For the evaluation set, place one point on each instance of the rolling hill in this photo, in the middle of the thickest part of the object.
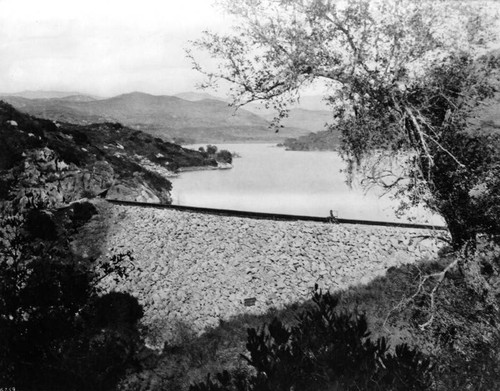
(310, 120)
(44, 94)
(41, 160)
(310, 114)
(169, 117)
(196, 96)
(186, 118)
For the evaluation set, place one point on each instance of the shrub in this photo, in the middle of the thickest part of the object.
(56, 333)
(224, 156)
(327, 349)
(116, 310)
(39, 223)
(5, 185)
(82, 212)
(80, 138)
(211, 149)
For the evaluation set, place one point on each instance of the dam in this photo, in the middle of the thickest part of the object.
(197, 269)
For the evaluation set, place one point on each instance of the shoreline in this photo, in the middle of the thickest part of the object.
(220, 166)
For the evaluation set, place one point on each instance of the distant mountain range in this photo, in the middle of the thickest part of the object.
(47, 94)
(196, 96)
(194, 117)
(188, 117)
(310, 114)
(307, 102)
(314, 121)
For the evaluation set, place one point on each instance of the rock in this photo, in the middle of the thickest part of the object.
(132, 192)
(199, 268)
(394, 242)
(280, 284)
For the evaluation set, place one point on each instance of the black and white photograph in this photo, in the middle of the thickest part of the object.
(250, 195)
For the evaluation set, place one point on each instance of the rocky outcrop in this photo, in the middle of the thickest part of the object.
(198, 268)
(138, 192)
(48, 180)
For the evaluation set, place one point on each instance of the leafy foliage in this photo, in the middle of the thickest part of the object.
(403, 79)
(81, 212)
(57, 329)
(40, 224)
(327, 348)
(212, 152)
(211, 149)
(224, 156)
(430, 121)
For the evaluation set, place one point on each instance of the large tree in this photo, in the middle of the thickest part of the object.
(404, 80)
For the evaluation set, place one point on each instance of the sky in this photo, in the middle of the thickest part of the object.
(102, 47)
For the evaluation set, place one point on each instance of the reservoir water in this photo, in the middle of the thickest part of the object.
(270, 179)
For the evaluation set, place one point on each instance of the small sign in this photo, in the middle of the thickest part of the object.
(249, 302)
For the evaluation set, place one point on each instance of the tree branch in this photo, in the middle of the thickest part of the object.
(420, 289)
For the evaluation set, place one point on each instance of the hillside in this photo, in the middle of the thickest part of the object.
(41, 158)
(188, 117)
(306, 102)
(78, 98)
(310, 114)
(196, 96)
(42, 94)
(327, 140)
(310, 120)
(206, 120)
(57, 109)
(486, 119)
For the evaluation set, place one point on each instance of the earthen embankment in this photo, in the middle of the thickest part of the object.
(198, 268)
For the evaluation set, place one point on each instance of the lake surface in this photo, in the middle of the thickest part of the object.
(270, 179)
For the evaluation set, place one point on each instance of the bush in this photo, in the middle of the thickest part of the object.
(327, 349)
(116, 310)
(82, 212)
(39, 223)
(211, 149)
(224, 156)
(56, 332)
(80, 138)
